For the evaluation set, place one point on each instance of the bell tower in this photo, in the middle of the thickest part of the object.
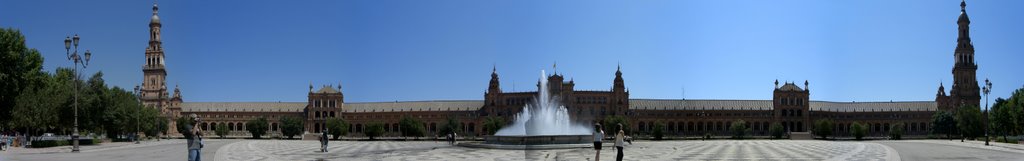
(154, 80)
(965, 90)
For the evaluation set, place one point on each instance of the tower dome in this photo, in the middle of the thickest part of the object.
(155, 19)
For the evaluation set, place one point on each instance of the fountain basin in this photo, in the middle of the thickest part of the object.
(539, 139)
(537, 142)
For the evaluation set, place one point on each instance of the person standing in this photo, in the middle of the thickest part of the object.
(3, 141)
(323, 141)
(194, 139)
(598, 135)
(619, 137)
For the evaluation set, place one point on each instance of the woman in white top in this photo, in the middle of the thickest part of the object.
(619, 137)
(598, 135)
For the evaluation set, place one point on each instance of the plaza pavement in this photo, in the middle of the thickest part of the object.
(643, 150)
(297, 150)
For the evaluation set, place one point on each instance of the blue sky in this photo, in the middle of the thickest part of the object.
(405, 50)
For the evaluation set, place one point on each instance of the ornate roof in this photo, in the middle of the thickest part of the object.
(790, 87)
(458, 105)
(327, 89)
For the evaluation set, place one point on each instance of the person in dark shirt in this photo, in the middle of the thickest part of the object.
(194, 139)
(323, 141)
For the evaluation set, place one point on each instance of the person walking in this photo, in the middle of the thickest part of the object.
(448, 138)
(3, 142)
(598, 135)
(619, 137)
(194, 139)
(323, 141)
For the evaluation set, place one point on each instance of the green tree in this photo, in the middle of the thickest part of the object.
(858, 130)
(120, 117)
(896, 131)
(968, 119)
(182, 125)
(150, 120)
(944, 123)
(493, 124)
(37, 108)
(221, 130)
(257, 127)
(95, 99)
(450, 125)
(337, 127)
(823, 127)
(776, 130)
(20, 68)
(739, 129)
(658, 132)
(611, 123)
(162, 124)
(1001, 119)
(1016, 103)
(411, 127)
(374, 130)
(290, 126)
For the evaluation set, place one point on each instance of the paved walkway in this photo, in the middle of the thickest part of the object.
(953, 150)
(273, 150)
(669, 150)
(164, 150)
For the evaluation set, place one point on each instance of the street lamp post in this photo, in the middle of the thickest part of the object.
(138, 114)
(73, 56)
(986, 90)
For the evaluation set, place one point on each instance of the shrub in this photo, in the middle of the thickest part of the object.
(491, 125)
(896, 131)
(374, 130)
(776, 130)
(52, 143)
(659, 130)
(450, 125)
(739, 129)
(823, 128)
(859, 130)
(337, 127)
(411, 127)
(611, 124)
(257, 127)
(291, 126)
(221, 130)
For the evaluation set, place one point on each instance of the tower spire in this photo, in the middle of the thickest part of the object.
(963, 5)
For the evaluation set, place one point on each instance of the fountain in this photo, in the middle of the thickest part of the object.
(543, 124)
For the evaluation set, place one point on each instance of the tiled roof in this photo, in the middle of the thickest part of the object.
(243, 106)
(873, 106)
(460, 105)
(678, 104)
